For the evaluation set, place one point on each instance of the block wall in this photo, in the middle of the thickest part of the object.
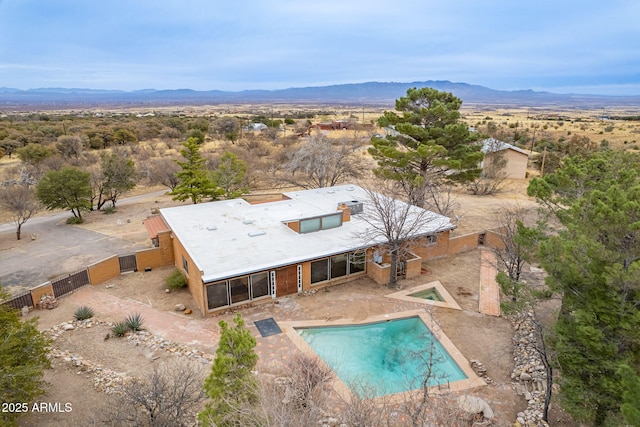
(104, 270)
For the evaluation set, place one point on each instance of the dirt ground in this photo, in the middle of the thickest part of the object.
(485, 338)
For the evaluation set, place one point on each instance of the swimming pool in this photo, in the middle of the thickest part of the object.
(386, 357)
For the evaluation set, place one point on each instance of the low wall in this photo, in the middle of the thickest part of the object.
(464, 243)
(152, 258)
(37, 293)
(104, 270)
(494, 240)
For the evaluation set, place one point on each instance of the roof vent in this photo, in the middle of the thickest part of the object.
(355, 206)
(247, 221)
(256, 233)
(212, 228)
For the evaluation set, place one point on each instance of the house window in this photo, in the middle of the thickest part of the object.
(325, 222)
(260, 285)
(432, 239)
(339, 265)
(309, 225)
(185, 265)
(356, 262)
(217, 295)
(319, 271)
(331, 221)
(239, 288)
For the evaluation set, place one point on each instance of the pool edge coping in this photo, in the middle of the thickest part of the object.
(449, 301)
(472, 380)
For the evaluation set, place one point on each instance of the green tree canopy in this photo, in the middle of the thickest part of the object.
(23, 359)
(230, 175)
(195, 183)
(68, 188)
(33, 153)
(231, 383)
(118, 175)
(593, 261)
(430, 144)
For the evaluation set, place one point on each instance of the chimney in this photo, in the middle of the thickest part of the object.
(346, 212)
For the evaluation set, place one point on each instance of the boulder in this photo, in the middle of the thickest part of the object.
(475, 405)
(179, 307)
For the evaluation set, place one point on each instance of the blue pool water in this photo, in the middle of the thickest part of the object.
(387, 357)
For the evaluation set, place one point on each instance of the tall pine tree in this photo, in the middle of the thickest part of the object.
(593, 260)
(231, 384)
(430, 145)
(195, 182)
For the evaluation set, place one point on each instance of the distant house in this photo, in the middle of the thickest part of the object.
(516, 158)
(334, 125)
(233, 252)
(256, 126)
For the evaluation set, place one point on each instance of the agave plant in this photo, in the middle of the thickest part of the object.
(120, 329)
(134, 321)
(83, 313)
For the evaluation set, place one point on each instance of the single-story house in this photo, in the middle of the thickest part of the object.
(516, 158)
(233, 252)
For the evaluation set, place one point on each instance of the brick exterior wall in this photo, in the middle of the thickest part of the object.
(194, 276)
(104, 270)
(436, 250)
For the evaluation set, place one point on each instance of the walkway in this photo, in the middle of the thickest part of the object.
(489, 289)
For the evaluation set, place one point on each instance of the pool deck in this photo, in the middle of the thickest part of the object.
(472, 381)
(489, 290)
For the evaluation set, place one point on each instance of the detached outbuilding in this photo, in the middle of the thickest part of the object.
(516, 158)
(234, 252)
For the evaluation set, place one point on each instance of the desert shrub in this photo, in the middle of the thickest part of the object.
(176, 280)
(134, 321)
(109, 210)
(120, 329)
(83, 313)
(74, 220)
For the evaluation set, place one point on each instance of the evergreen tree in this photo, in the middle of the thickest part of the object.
(231, 384)
(195, 183)
(430, 146)
(230, 175)
(68, 188)
(23, 359)
(593, 262)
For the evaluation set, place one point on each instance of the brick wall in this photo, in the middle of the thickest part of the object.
(104, 270)
(435, 250)
(194, 276)
(464, 243)
(38, 292)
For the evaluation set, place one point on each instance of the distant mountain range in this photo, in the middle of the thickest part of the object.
(372, 93)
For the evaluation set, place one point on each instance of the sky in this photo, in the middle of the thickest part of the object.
(561, 46)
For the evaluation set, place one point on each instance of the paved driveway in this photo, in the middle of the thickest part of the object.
(58, 249)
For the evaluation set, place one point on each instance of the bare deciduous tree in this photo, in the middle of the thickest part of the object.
(21, 203)
(320, 162)
(395, 225)
(169, 397)
(163, 171)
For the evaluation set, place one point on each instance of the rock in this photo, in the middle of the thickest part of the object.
(167, 291)
(179, 307)
(68, 327)
(525, 377)
(25, 311)
(188, 311)
(475, 405)
(528, 396)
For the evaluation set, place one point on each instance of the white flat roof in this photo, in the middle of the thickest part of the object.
(232, 237)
